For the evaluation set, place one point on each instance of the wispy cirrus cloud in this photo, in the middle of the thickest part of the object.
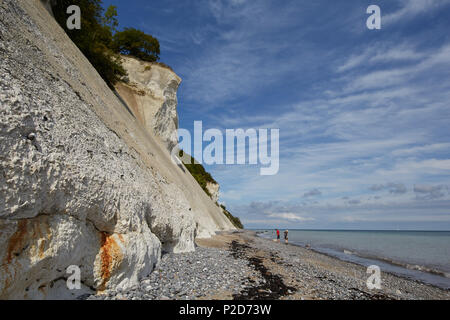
(393, 188)
(289, 216)
(427, 192)
(411, 8)
(380, 53)
(312, 193)
(352, 214)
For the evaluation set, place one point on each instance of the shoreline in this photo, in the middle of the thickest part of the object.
(240, 265)
(376, 259)
(394, 286)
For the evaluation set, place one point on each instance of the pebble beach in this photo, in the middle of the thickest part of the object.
(242, 266)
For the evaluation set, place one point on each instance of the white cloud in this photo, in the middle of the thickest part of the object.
(346, 214)
(290, 217)
(397, 76)
(312, 193)
(393, 188)
(412, 8)
(380, 53)
(427, 192)
(421, 150)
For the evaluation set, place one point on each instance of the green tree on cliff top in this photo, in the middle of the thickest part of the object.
(100, 41)
(136, 43)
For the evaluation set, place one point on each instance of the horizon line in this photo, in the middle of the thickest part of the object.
(401, 230)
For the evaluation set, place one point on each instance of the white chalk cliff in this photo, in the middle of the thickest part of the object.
(85, 178)
(151, 95)
(213, 189)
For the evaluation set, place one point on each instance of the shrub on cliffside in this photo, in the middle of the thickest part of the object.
(199, 173)
(234, 220)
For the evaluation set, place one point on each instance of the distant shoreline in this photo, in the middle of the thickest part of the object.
(356, 230)
(362, 260)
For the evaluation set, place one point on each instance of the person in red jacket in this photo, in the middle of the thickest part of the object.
(278, 235)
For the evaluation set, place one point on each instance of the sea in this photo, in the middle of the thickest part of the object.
(417, 255)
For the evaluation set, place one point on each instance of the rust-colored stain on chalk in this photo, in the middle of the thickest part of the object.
(43, 234)
(34, 234)
(16, 242)
(110, 257)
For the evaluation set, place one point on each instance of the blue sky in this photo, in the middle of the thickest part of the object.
(363, 114)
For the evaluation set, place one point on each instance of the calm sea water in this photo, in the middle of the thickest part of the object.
(420, 255)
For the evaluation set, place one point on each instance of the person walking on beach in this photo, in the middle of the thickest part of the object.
(286, 236)
(278, 235)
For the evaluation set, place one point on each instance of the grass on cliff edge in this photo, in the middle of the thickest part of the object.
(203, 177)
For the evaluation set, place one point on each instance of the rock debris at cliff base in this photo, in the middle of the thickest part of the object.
(245, 267)
(193, 275)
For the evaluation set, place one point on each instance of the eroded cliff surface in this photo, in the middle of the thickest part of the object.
(82, 181)
(213, 189)
(151, 95)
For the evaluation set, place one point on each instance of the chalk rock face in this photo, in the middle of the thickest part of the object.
(151, 95)
(213, 189)
(82, 182)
